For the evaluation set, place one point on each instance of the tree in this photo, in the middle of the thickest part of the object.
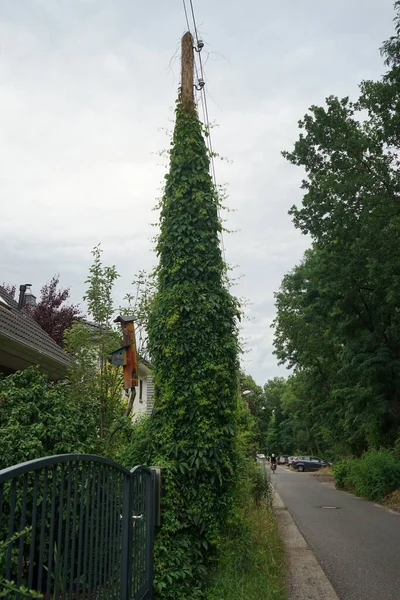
(92, 377)
(50, 312)
(10, 289)
(338, 322)
(139, 303)
(254, 398)
(194, 352)
(280, 431)
(252, 393)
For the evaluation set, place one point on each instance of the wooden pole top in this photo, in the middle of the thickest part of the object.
(187, 85)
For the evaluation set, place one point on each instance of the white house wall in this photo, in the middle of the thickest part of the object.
(143, 403)
(150, 394)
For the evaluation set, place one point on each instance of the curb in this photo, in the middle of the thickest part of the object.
(305, 578)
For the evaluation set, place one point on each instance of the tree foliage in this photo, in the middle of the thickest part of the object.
(194, 352)
(338, 322)
(139, 303)
(90, 343)
(51, 311)
(252, 393)
(373, 476)
(39, 418)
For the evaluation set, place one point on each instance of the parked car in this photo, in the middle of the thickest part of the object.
(290, 460)
(309, 463)
(260, 456)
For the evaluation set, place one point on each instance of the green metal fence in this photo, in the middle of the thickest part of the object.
(78, 527)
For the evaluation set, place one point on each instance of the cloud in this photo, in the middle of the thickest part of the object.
(85, 88)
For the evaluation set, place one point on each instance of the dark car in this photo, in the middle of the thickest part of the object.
(309, 463)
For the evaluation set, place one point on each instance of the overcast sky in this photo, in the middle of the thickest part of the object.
(87, 89)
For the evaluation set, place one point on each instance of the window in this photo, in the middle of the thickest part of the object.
(141, 390)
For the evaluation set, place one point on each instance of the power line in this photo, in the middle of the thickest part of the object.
(194, 22)
(186, 14)
(203, 99)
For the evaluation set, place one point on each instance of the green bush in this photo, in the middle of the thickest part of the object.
(135, 450)
(341, 472)
(396, 450)
(37, 418)
(8, 589)
(373, 476)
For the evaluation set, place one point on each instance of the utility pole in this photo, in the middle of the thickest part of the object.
(187, 92)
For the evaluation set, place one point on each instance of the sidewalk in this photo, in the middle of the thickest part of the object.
(305, 578)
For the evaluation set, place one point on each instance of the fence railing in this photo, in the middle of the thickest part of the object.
(78, 527)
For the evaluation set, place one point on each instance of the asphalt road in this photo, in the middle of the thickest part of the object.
(357, 544)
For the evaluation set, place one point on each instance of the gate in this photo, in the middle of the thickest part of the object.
(78, 527)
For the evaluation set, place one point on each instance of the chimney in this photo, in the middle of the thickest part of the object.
(26, 298)
(30, 299)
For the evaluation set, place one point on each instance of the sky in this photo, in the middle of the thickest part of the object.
(87, 93)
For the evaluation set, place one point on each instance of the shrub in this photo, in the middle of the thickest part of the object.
(396, 450)
(7, 588)
(135, 451)
(341, 472)
(37, 419)
(373, 476)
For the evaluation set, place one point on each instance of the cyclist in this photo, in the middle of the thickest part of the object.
(273, 462)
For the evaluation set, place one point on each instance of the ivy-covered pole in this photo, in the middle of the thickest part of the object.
(194, 353)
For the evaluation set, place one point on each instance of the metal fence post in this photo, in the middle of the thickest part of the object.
(156, 490)
(154, 520)
(126, 544)
(150, 506)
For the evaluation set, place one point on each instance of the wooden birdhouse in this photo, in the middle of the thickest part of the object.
(119, 357)
(126, 356)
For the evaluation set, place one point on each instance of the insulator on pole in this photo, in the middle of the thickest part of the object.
(200, 84)
(200, 46)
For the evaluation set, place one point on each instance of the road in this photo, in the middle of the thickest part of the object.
(357, 543)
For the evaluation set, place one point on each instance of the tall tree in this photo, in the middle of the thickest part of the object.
(338, 321)
(194, 352)
(252, 393)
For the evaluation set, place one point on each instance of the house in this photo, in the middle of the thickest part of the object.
(143, 404)
(144, 397)
(23, 343)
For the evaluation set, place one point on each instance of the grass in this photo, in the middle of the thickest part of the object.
(392, 501)
(251, 563)
(325, 471)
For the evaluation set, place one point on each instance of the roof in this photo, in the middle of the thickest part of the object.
(24, 343)
(125, 319)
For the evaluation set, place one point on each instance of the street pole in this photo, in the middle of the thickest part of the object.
(187, 83)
